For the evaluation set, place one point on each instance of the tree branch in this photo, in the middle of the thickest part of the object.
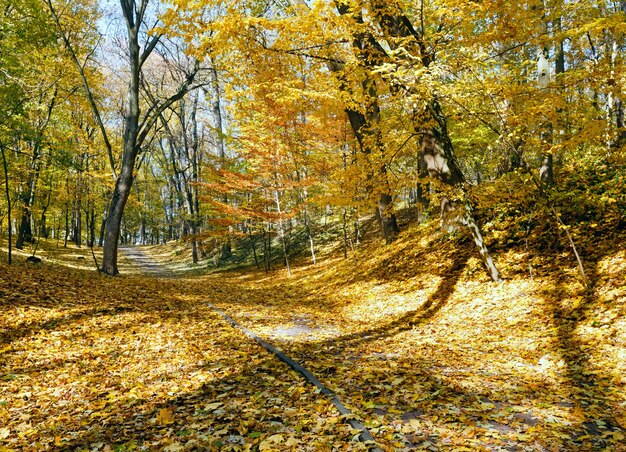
(148, 50)
(151, 119)
(90, 97)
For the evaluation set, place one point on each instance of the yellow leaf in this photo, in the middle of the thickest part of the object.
(268, 444)
(165, 416)
(291, 441)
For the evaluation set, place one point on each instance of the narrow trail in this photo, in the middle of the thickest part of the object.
(144, 263)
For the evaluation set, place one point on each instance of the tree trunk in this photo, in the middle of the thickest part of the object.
(136, 126)
(67, 224)
(437, 149)
(311, 244)
(8, 196)
(619, 122)
(191, 225)
(386, 218)
(25, 231)
(619, 103)
(267, 253)
(216, 99)
(281, 232)
(103, 226)
(546, 172)
(440, 161)
(44, 232)
(365, 124)
(114, 218)
(125, 178)
(78, 223)
(92, 225)
(252, 241)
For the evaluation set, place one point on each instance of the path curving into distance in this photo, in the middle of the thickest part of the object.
(144, 263)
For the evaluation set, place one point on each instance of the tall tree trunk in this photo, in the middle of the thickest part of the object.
(136, 128)
(25, 231)
(103, 225)
(546, 172)
(366, 125)
(311, 244)
(8, 196)
(125, 178)
(191, 224)
(216, 99)
(195, 177)
(67, 224)
(78, 217)
(92, 225)
(619, 100)
(437, 149)
(267, 247)
(386, 218)
(619, 122)
(441, 164)
(252, 241)
(170, 217)
(114, 218)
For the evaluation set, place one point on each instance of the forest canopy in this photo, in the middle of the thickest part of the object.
(209, 121)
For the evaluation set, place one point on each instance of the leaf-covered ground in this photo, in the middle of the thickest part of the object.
(93, 363)
(413, 338)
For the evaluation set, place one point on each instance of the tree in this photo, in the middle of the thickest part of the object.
(139, 120)
(34, 79)
(5, 167)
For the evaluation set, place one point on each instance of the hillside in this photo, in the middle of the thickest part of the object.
(412, 336)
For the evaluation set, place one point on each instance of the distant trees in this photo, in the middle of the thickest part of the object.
(140, 113)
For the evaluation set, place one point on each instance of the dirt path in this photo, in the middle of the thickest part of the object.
(144, 262)
(295, 326)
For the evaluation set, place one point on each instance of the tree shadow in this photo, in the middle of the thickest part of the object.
(10, 335)
(590, 386)
(254, 402)
(435, 302)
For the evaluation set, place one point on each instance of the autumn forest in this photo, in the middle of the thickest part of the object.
(309, 225)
